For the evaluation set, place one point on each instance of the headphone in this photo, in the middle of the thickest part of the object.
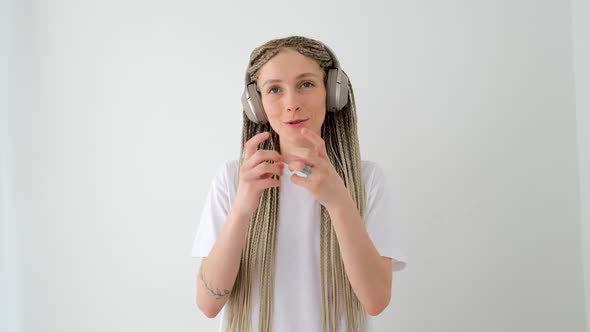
(336, 92)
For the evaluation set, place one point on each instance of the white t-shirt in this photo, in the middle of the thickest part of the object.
(297, 295)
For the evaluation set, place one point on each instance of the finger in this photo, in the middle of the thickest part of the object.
(252, 144)
(316, 140)
(280, 165)
(299, 180)
(296, 165)
(301, 171)
(304, 155)
(269, 183)
(261, 155)
(265, 170)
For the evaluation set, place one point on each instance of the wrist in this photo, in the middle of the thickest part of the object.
(239, 214)
(342, 207)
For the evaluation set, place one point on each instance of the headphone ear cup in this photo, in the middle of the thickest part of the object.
(336, 90)
(343, 96)
(252, 104)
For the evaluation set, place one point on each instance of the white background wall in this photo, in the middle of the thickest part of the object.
(14, 91)
(117, 113)
(581, 34)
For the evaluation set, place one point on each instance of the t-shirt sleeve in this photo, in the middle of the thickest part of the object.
(214, 213)
(383, 229)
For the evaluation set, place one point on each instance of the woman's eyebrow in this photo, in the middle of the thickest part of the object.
(298, 77)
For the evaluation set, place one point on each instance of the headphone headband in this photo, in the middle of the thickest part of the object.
(335, 63)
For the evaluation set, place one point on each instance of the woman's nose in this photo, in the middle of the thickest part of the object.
(292, 102)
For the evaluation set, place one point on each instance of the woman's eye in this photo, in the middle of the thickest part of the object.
(274, 88)
(309, 86)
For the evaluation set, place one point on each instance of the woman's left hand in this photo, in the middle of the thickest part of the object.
(324, 183)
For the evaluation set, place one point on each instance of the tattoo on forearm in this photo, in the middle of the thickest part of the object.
(219, 294)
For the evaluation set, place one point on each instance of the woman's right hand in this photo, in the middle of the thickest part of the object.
(256, 175)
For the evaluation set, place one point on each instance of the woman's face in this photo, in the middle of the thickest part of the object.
(292, 87)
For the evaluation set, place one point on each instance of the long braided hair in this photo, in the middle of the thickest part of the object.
(339, 131)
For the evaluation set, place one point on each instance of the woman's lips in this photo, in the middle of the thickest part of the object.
(296, 125)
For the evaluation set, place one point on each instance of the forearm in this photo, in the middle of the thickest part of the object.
(218, 271)
(367, 272)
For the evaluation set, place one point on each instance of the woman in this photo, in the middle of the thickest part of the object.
(289, 240)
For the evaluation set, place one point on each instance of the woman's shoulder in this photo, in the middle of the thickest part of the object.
(232, 165)
(228, 166)
(370, 167)
(373, 174)
(228, 171)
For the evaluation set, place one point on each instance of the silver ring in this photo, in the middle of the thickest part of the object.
(306, 170)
